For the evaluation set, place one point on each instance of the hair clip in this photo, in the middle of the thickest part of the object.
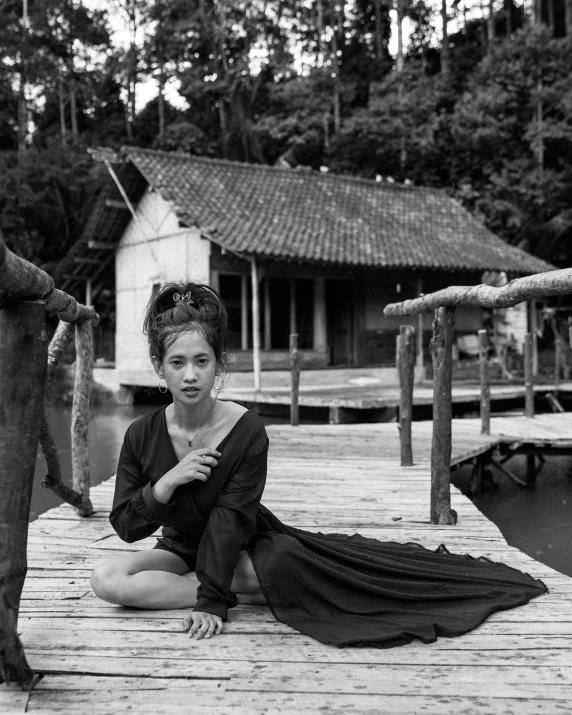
(186, 298)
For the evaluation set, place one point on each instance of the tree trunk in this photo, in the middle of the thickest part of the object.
(62, 107)
(336, 73)
(539, 124)
(80, 409)
(400, 61)
(445, 50)
(491, 29)
(73, 108)
(568, 11)
(379, 47)
(551, 17)
(508, 16)
(161, 105)
(23, 362)
(22, 115)
(321, 47)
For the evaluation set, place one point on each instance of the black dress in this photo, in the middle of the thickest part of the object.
(342, 590)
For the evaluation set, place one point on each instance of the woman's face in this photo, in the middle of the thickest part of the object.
(189, 367)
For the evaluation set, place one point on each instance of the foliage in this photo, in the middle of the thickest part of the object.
(288, 82)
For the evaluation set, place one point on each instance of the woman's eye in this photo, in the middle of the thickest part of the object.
(202, 361)
(176, 363)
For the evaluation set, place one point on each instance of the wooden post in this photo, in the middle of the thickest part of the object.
(23, 363)
(441, 349)
(295, 377)
(255, 323)
(267, 315)
(406, 373)
(528, 379)
(293, 319)
(420, 364)
(244, 312)
(557, 354)
(533, 328)
(80, 409)
(485, 383)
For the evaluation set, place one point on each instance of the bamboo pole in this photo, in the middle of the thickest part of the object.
(23, 361)
(21, 279)
(528, 379)
(255, 323)
(536, 286)
(485, 383)
(406, 373)
(441, 348)
(80, 410)
(295, 379)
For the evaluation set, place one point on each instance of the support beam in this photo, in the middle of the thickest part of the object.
(293, 320)
(88, 293)
(485, 382)
(23, 364)
(406, 372)
(319, 316)
(528, 379)
(267, 315)
(80, 410)
(244, 312)
(420, 364)
(255, 323)
(86, 260)
(442, 344)
(533, 329)
(295, 380)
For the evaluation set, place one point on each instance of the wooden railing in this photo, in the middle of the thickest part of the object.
(27, 365)
(444, 302)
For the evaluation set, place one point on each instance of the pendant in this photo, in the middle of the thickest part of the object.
(189, 441)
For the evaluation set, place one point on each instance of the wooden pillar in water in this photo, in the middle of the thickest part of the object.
(244, 313)
(528, 379)
(441, 349)
(295, 379)
(23, 364)
(485, 382)
(406, 373)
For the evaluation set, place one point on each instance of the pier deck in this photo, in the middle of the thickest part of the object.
(98, 658)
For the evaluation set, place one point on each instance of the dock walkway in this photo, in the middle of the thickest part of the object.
(98, 658)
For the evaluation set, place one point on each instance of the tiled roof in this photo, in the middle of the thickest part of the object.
(312, 216)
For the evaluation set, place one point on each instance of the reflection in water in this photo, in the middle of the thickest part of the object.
(537, 521)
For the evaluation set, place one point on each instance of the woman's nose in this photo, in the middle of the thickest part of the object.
(190, 375)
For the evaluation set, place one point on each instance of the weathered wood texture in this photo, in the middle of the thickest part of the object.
(80, 412)
(441, 347)
(100, 658)
(485, 382)
(528, 376)
(53, 479)
(22, 279)
(539, 285)
(406, 375)
(294, 380)
(23, 363)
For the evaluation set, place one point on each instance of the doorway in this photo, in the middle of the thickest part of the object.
(339, 316)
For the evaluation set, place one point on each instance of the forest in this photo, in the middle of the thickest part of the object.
(470, 96)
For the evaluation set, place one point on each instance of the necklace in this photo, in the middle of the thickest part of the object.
(201, 427)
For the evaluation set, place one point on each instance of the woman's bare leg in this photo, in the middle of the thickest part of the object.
(159, 579)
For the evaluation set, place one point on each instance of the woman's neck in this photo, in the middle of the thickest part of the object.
(190, 418)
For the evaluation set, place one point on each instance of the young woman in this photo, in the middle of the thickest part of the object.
(198, 468)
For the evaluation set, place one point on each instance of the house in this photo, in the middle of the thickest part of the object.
(325, 253)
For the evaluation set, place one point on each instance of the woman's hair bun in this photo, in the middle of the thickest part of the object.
(179, 307)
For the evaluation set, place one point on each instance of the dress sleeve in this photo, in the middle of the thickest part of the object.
(229, 530)
(136, 513)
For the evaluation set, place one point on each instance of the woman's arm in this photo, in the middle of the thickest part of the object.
(136, 513)
(229, 530)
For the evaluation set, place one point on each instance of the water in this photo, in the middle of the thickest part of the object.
(537, 521)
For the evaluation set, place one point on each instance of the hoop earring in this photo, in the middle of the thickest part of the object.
(160, 388)
(219, 387)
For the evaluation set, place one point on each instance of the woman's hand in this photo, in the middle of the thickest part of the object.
(196, 465)
(202, 625)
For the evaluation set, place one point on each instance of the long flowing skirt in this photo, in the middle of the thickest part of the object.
(356, 591)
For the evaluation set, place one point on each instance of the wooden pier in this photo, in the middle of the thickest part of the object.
(97, 658)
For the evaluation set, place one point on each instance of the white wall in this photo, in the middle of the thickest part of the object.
(155, 249)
